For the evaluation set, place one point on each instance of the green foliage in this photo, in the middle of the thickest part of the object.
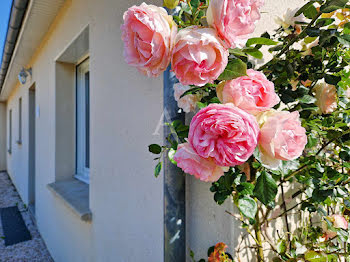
(155, 149)
(157, 169)
(333, 5)
(266, 188)
(260, 41)
(248, 207)
(319, 179)
(234, 69)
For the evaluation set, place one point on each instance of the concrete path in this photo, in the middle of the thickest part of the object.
(30, 251)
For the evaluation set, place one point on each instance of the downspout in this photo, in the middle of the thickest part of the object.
(18, 11)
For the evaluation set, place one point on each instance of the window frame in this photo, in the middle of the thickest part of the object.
(20, 106)
(82, 108)
(10, 133)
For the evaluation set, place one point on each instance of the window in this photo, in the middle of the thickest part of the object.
(10, 133)
(19, 141)
(83, 121)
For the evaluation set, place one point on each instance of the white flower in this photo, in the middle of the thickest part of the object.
(188, 103)
(288, 20)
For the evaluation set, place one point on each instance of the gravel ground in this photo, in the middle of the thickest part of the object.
(29, 251)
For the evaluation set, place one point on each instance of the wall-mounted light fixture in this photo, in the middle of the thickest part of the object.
(23, 75)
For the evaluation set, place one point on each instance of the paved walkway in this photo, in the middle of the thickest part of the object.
(29, 251)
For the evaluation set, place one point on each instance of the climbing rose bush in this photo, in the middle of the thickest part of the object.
(273, 136)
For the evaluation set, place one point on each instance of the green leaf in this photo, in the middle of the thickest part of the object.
(281, 246)
(310, 12)
(346, 28)
(171, 4)
(245, 188)
(313, 32)
(235, 68)
(306, 99)
(260, 41)
(276, 48)
(312, 141)
(344, 39)
(266, 188)
(324, 22)
(303, 8)
(191, 91)
(332, 79)
(155, 149)
(248, 207)
(309, 39)
(201, 105)
(313, 256)
(195, 4)
(344, 156)
(237, 52)
(157, 169)
(319, 168)
(254, 53)
(342, 234)
(333, 5)
(171, 155)
(332, 258)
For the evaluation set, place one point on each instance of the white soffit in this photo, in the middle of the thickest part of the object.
(37, 21)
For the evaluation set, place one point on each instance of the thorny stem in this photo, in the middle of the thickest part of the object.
(286, 215)
(257, 228)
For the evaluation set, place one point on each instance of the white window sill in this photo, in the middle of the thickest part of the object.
(75, 195)
(83, 178)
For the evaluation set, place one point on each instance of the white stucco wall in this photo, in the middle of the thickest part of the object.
(17, 160)
(125, 199)
(3, 135)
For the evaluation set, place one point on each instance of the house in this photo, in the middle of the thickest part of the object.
(75, 123)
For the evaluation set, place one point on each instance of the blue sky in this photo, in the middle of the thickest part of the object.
(5, 8)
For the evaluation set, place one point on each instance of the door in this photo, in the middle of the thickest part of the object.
(32, 150)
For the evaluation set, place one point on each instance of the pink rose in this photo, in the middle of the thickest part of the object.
(148, 33)
(326, 98)
(281, 137)
(188, 103)
(338, 221)
(234, 20)
(198, 56)
(252, 93)
(225, 133)
(204, 169)
(348, 92)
